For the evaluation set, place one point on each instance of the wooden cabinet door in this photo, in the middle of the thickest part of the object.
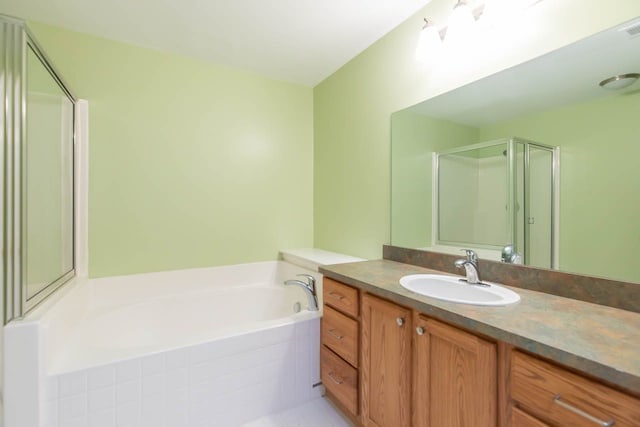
(455, 377)
(522, 419)
(386, 363)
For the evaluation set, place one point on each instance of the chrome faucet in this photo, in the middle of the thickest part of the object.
(309, 287)
(470, 265)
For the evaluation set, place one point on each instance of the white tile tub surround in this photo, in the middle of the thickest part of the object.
(167, 349)
(223, 383)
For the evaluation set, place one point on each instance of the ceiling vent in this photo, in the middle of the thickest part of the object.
(633, 29)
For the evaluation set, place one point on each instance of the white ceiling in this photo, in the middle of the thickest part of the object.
(300, 41)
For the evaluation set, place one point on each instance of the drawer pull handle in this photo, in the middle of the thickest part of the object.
(336, 336)
(399, 321)
(336, 296)
(334, 379)
(558, 399)
(420, 330)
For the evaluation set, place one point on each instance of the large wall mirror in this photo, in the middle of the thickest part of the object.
(555, 100)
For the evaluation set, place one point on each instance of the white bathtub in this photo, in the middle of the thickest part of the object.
(202, 347)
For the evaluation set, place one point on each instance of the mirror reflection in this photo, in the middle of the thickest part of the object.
(590, 225)
(495, 192)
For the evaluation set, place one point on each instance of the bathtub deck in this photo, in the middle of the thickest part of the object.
(316, 413)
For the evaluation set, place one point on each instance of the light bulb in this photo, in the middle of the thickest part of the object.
(429, 43)
(460, 24)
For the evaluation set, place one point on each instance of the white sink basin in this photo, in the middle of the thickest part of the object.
(451, 288)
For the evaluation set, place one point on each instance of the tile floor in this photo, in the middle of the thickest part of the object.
(316, 413)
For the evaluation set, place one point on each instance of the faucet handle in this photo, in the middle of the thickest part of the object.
(510, 255)
(508, 252)
(311, 281)
(471, 255)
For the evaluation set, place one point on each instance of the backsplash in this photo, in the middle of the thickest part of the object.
(612, 293)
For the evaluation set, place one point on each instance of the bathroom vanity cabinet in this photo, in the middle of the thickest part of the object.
(402, 374)
(384, 365)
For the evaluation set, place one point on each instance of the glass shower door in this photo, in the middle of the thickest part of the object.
(48, 172)
(37, 135)
(539, 212)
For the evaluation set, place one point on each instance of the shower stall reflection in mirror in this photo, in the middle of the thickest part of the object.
(38, 176)
(495, 193)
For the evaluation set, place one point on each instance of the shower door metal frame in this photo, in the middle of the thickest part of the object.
(13, 92)
(555, 201)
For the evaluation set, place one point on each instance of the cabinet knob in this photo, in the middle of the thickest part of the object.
(420, 330)
(336, 380)
(400, 321)
(336, 295)
(337, 336)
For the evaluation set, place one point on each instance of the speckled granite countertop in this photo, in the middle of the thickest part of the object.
(601, 341)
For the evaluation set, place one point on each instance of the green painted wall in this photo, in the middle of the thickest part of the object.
(191, 164)
(352, 109)
(599, 202)
(411, 213)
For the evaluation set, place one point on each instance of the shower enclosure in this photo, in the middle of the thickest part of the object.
(496, 193)
(38, 140)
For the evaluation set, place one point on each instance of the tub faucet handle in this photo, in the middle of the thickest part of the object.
(309, 288)
(311, 281)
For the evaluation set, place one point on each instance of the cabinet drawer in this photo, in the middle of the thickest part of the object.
(340, 379)
(522, 419)
(340, 334)
(340, 296)
(563, 398)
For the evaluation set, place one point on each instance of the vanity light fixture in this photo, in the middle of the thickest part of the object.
(429, 43)
(620, 81)
(462, 21)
